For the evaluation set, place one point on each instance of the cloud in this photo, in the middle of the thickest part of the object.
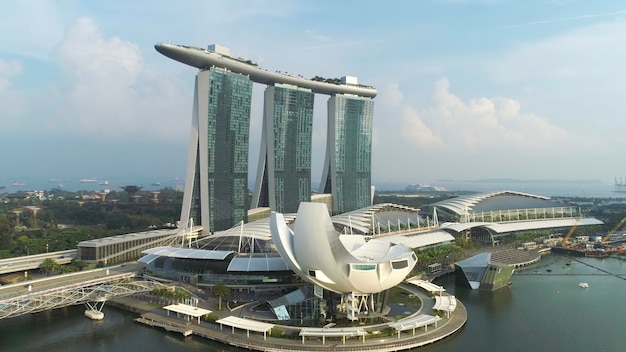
(7, 70)
(12, 101)
(451, 123)
(570, 19)
(413, 127)
(109, 93)
(575, 78)
(592, 52)
(448, 135)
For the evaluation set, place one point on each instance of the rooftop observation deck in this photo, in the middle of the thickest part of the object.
(204, 58)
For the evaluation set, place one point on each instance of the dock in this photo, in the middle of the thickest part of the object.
(172, 325)
(250, 340)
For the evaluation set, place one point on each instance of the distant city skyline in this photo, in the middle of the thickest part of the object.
(470, 89)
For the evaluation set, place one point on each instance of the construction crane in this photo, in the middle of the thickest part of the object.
(608, 234)
(571, 232)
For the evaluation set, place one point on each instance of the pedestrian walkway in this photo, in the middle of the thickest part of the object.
(374, 340)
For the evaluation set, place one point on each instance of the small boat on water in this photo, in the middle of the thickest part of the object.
(89, 180)
(583, 285)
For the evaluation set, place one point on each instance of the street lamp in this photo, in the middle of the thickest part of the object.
(46, 248)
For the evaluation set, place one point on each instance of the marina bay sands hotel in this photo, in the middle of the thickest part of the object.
(217, 167)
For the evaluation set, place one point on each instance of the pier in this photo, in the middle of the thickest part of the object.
(369, 338)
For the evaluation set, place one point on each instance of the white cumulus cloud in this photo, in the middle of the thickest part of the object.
(486, 122)
(109, 93)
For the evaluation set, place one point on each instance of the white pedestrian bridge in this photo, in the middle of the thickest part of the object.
(59, 291)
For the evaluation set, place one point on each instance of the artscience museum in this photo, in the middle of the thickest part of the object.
(344, 264)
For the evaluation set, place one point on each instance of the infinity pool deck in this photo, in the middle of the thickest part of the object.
(373, 341)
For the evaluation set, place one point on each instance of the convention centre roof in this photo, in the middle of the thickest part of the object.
(362, 220)
(495, 201)
(508, 227)
(419, 239)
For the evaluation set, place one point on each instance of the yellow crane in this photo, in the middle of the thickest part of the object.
(571, 232)
(608, 234)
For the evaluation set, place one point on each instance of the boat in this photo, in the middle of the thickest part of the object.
(156, 183)
(583, 285)
(596, 254)
(18, 184)
(105, 182)
(89, 180)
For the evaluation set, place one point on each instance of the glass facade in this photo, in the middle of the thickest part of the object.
(349, 152)
(227, 131)
(286, 158)
(203, 272)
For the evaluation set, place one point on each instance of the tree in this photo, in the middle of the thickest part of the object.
(49, 265)
(6, 240)
(220, 291)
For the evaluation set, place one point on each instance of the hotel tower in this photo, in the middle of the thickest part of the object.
(216, 190)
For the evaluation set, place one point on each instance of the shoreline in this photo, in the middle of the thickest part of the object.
(152, 316)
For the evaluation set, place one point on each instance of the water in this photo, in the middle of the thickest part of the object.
(542, 311)
(586, 189)
(546, 311)
(68, 330)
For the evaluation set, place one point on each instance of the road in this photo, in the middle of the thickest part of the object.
(30, 262)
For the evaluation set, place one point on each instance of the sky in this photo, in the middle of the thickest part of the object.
(467, 89)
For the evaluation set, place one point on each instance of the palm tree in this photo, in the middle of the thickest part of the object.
(220, 291)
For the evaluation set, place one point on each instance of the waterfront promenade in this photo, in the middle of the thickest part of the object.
(377, 338)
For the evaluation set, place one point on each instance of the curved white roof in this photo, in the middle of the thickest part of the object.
(527, 225)
(466, 204)
(419, 239)
(203, 58)
(361, 220)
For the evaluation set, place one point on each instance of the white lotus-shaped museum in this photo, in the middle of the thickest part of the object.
(339, 263)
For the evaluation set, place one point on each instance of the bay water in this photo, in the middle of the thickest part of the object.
(543, 309)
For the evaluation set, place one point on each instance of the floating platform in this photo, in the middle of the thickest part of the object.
(94, 314)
